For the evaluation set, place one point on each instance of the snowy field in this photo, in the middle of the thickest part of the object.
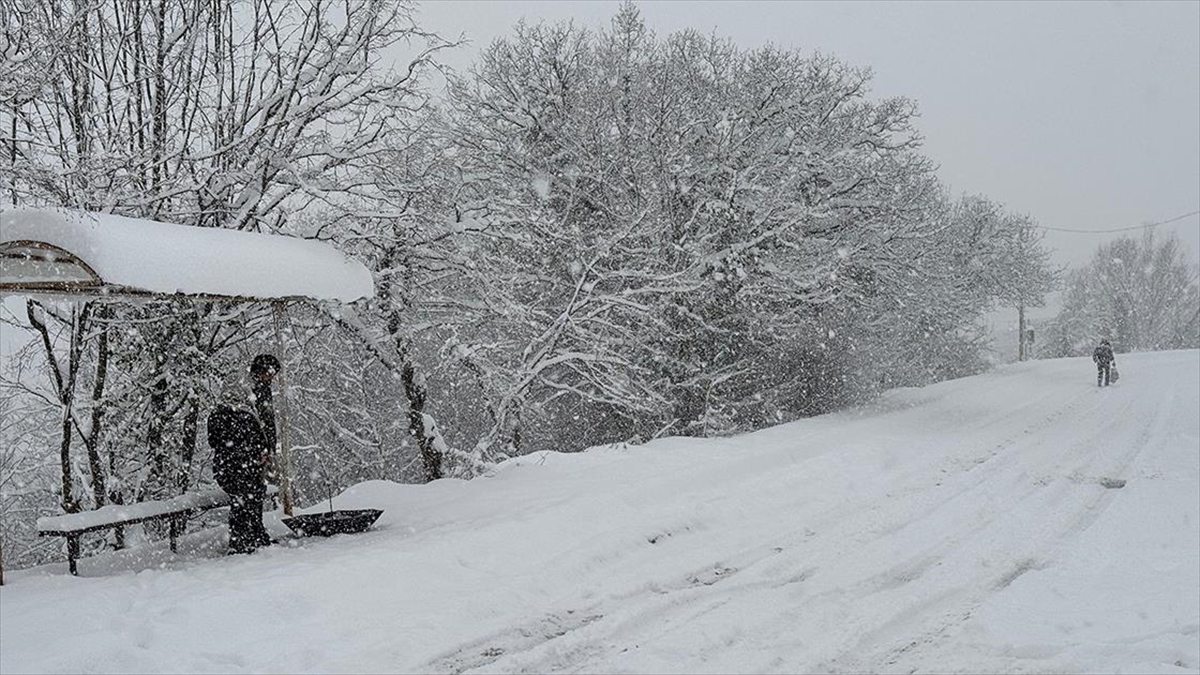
(1018, 521)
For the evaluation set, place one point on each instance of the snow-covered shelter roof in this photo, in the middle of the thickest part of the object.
(80, 252)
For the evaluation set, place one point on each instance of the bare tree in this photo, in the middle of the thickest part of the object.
(267, 115)
(1143, 294)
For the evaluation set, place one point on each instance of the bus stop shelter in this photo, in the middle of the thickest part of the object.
(73, 254)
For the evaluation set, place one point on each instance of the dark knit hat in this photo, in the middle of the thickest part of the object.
(265, 363)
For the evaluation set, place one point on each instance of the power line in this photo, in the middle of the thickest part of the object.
(1119, 229)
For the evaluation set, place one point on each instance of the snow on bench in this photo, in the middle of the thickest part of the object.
(126, 514)
(116, 516)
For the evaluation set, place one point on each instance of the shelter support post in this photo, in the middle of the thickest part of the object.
(284, 459)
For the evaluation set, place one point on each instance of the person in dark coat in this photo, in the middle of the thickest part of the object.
(239, 458)
(1104, 359)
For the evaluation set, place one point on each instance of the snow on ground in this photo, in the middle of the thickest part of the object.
(1018, 521)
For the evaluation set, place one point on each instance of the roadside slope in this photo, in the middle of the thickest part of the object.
(974, 525)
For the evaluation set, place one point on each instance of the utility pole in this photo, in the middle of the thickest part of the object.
(1021, 353)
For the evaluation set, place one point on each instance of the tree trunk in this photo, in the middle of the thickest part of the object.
(415, 392)
(95, 464)
(69, 505)
(190, 423)
(79, 320)
(414, 386)
(65, 390)
(156, 452)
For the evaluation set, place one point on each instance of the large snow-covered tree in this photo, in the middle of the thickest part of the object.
(682, 231)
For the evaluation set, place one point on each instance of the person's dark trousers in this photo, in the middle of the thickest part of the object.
(246, 531)
(257, 530)
(1102, 375)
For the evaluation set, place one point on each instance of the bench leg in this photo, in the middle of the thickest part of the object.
(73, 553)
(120, 544)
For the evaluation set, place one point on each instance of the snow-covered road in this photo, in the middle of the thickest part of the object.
(1018, 521)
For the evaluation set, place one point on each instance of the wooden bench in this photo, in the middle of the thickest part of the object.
(116, 516)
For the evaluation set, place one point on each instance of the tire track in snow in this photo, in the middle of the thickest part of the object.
(956, 604)
(558, 640)
(882, 650)
(988, 483)
(531, 648)
(540, 632)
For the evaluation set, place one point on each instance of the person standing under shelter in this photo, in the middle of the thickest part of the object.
(1102, 355)
(240, 456)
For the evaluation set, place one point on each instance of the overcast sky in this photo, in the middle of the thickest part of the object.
(1083, 115)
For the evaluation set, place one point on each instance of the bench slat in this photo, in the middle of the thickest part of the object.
(127, 514)
(114, 515)
(107, 526)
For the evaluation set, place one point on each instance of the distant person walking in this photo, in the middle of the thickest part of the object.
(1104, 359)
(240, 456)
